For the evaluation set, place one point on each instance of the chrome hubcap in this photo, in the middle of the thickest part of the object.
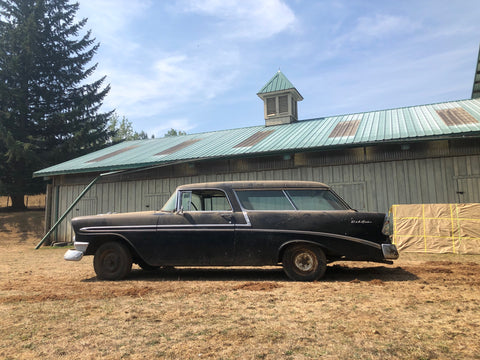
(304, 262)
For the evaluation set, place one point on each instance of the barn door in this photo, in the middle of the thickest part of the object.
(468, 189)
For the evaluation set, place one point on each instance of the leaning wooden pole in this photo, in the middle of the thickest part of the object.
(67, 211)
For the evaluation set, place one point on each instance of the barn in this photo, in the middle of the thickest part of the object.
(419, 154)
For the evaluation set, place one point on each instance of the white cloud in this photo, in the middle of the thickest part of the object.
(173, 80)
(162, 128)
(246, 19)
(109, 19)
(378, 26)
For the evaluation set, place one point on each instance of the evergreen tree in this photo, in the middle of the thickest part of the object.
(123, 130)
(173, 132)
(48, 111)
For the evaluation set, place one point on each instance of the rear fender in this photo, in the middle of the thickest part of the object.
(284, 246)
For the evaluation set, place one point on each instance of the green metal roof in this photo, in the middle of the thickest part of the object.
(476, 81)
(278, 82)
(436, 121)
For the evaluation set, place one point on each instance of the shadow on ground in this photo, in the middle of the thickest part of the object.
(335, 273)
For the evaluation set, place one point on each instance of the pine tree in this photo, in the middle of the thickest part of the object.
(123, 130)
(48, 111)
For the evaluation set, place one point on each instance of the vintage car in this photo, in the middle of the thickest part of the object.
(300, 225)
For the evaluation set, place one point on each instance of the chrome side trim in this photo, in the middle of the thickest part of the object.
(222, 227)
(318, 233)
(152, 227)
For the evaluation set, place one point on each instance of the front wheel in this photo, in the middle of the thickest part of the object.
(304, 262)
(112, 261)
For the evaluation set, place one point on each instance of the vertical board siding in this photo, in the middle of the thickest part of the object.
(368, 186)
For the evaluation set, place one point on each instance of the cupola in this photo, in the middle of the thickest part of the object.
(280, 100)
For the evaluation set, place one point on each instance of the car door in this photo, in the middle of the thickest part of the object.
(200, 232)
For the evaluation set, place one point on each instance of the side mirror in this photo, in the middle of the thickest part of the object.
(179, 211)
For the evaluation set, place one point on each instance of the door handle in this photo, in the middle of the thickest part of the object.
(227, 217)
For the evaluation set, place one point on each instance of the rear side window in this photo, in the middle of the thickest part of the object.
(315, 200)
(299, 199)
(264, 200)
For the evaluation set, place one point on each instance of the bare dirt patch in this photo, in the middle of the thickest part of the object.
(422, 307)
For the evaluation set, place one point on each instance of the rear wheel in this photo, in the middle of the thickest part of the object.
(112, 261)
(304, 262)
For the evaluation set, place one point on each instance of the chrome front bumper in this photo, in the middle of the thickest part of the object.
(390, 251)
(77, 253)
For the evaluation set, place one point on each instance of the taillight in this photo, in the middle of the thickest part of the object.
(387, 228)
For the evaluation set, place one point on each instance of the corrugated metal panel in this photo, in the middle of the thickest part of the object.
(457, 116)
(178, 147)
(345, 128)
(112, 154)
(403, 124)
(254, 139)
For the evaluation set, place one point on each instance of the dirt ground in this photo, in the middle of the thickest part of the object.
(422, 307)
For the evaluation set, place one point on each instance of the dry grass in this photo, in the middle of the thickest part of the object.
(423, 307)
(31, 201)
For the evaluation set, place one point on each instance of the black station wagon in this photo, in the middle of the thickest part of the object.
(299, 225)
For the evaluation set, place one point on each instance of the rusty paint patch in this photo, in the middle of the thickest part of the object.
(345, 128)
(112, 154)
(178, 147)
(254, 139)
(456, 116)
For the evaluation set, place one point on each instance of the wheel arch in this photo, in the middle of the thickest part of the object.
(290, 243)
(97, 240)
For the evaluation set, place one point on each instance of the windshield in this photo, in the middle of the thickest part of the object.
(171, 203)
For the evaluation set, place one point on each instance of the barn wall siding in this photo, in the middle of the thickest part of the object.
(365, 186)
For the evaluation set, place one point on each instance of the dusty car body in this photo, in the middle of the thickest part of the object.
(299, 225)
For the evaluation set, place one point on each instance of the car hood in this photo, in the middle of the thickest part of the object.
(124, 219)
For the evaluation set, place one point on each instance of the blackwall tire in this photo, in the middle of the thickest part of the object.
(112, 261)
(304, 262)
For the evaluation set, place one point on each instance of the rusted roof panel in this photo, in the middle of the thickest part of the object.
(254, 139)
(345, 128)
(112, 154)
(456, 116)
(178, 147)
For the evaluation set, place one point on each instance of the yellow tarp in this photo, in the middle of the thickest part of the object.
(437, 228)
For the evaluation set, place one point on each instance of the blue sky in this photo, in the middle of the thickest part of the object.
(196, 66)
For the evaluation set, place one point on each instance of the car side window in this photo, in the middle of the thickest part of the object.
(315, 200)
(204, 200)
(264, 200)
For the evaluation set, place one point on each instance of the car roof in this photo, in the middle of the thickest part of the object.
(255, 185)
